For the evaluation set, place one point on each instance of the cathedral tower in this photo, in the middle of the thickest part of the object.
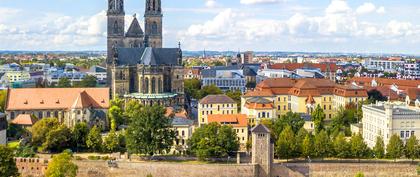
(116, 24)
(153, 22)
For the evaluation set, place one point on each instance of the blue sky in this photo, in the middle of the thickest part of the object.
(376, 26)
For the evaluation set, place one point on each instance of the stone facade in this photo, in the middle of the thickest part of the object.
(31, 167)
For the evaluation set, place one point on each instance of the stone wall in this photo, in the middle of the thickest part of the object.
(34, 167)
(351, 169)
(133, 169)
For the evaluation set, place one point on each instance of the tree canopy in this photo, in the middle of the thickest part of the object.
(64, 82)
(286, 145)
(61, 166)
(395, 147)
(213, 140)
(149, 131)
(94, 139)
(7, 163)
(379, 149)
(318, 116)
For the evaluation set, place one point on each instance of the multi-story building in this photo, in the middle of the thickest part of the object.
(230, 77)
(215, 104)
(192, 73)
(385, 119)
(3, 128)
(237, 121)
(386, 65)
(258, 108)
(412, 70)
(17, 76)
(304, 95)
(314, 70)
(183, 128)
(68, 105)
(100, 74)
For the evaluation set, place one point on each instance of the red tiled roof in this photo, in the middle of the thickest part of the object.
(57, 98)
(234, 120)
(259, 93)
(24, 119)
(367, 81)
(293, 66)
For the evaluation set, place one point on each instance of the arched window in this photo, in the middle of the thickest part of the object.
(160, 86)
(146, 86)
(116, 27)
(154, 28)
(153, 85)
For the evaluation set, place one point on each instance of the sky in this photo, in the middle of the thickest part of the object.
(375, 26)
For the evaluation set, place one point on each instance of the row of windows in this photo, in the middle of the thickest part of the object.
(406, 134)
(237, 130)
(263, 115)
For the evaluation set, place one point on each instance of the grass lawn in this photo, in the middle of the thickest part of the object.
(13, 144)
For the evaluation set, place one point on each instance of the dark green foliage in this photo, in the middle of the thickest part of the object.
(322, 144)
(25, 151)
(209, 90)
(57, 139)
(359, 149)
(379, 148)
(412, 148)
(87, 82)
(395, 147)
(149, 132)
(213, 140)
(285, 144)
(41, 129)
(64, 83)
(7, 163)
(80, 133)
(374, 96)
(114, 142)
(61, 166)
(318, 116)
(292, 119)
(192, 88)
(307, 146)
(341, 146)
(94, 139)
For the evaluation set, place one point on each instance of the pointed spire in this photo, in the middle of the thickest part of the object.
(135, 30)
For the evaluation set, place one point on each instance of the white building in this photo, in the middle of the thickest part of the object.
(385, 65)
(386, 119)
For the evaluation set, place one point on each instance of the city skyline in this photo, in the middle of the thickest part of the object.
(261, 25)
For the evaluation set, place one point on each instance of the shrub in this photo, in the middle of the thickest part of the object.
(94, 157)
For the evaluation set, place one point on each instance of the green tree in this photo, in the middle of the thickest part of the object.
(116, 116)
(94, 139)
(213, 140)
(341, 146)
(57, 139)
(300, 137)
(61, 165)
(395, 147)
(87, 82)
(318, 116)
(307, 146)
(209, 90)
(322, 144)
(286, 145)
(131, 110)
(359, 149)
(3, 96)
(41, 129)
(235, 95)
(112, 142)
(374, 96)
(379, 148)
(7, 163)
(25, 151)
(192, 88)
(150, 131)
(80, 133)
(412, 148)
(117, 102)
(359, 174)
(292, 119)
(64, 83)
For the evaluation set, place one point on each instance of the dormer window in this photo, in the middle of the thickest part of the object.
(57, 102)
(42, 102)
(26, 102)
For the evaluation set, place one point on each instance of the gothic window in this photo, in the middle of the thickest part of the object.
(115, 27)
(120, 5)
(111, 4)
(146, 86)
(160, 86)
(154, 28)
(153, 85)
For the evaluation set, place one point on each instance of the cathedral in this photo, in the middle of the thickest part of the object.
(139, 68)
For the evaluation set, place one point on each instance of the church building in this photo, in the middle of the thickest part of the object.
(138, 66)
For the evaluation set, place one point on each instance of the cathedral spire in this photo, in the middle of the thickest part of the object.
(153, 7)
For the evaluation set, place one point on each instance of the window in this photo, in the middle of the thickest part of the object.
(278, 107)
(407, 134)
(183, 133)
(330, 107)
(402, 134)
(325, 107)
(412, 133)
(243, 130)
(284, 107)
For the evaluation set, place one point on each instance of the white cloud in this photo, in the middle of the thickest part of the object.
(381, 10)
(252, 2)
(211, 3)
(338, 6)
(366, 8)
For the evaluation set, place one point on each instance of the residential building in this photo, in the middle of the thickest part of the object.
(73, 76)
(374, 82)
(230, 77)
(24, 120)
(304, 95)
(192, 73)
(215, 104)
(313, 70)
(184, 129)
(68, 105)
(386, 65)
(258, 109)
(385, 119)
(412, 70)
(3, 129)
(100, 74)
(237, 121)
(17, 76)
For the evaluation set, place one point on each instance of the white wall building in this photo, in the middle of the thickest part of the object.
(385, 65)
(386, 119)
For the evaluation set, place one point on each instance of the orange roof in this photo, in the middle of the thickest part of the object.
(24, 119)
(57, 98)
(234, 120)
(259, 93)
(310, 100)
(259, 106)
(350, 91)
(367, 81)
(171, 110)
(293, 66)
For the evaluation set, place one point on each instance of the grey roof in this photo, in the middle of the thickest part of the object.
(134, 30)
(260, 128)
(208, 73)
(249, 72)
(181, 121)
(259, 100)
(148, 56)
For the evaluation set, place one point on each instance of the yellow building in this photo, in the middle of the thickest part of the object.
(304, 95)
(17, 76)
(215, 104)
(184, 129)
(238, 123)
(257, 109)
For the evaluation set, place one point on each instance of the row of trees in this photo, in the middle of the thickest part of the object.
(292, 144)
(88, 81)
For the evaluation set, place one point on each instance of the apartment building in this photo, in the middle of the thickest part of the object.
(215, 104)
